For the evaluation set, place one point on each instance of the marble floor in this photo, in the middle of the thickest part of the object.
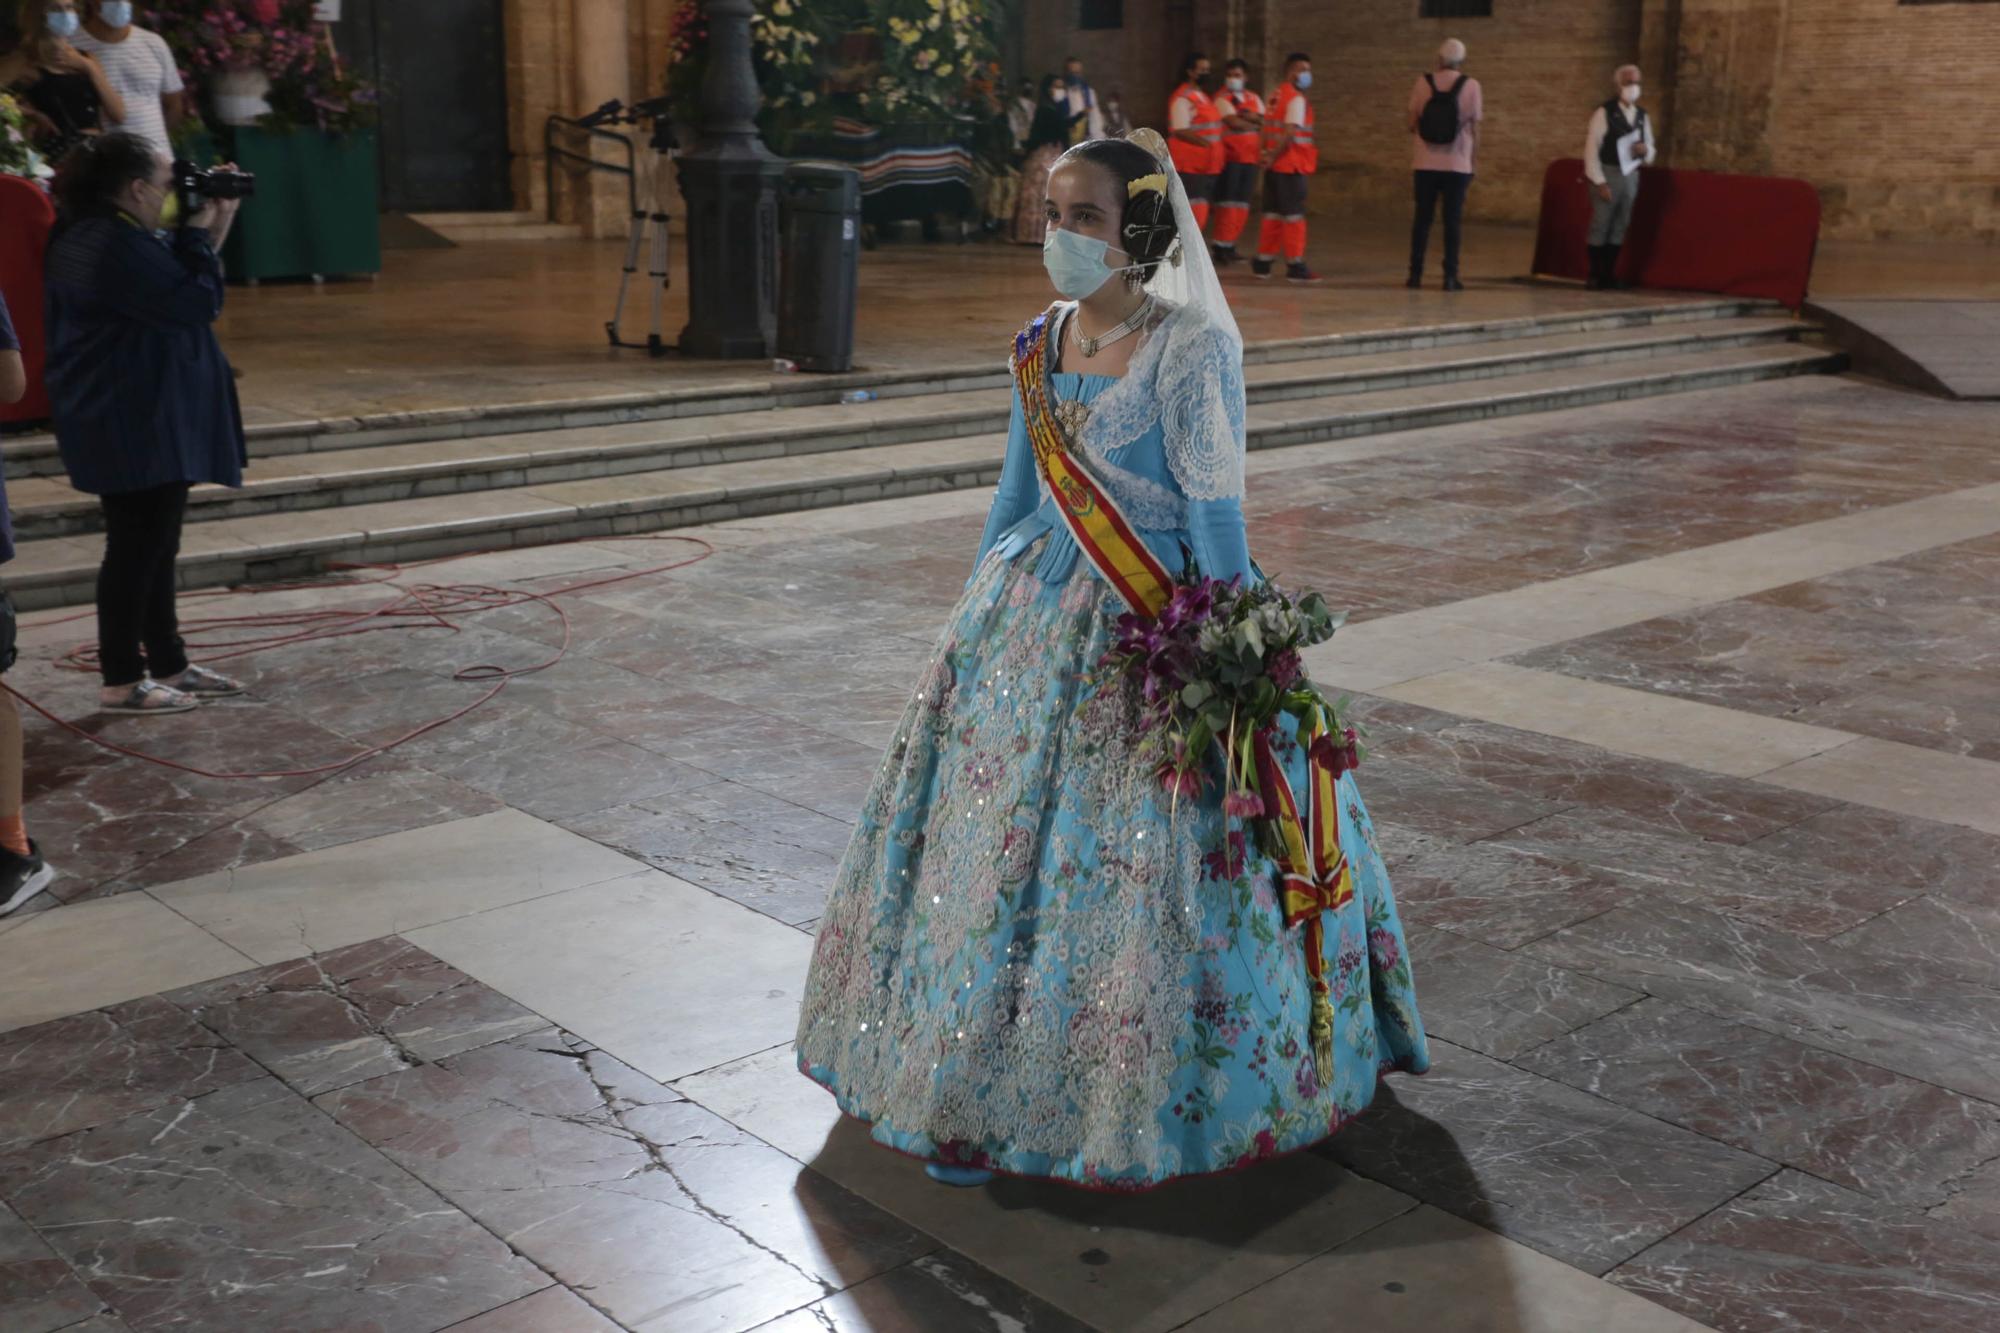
(1683, 749)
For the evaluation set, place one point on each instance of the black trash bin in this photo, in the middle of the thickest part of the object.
(819, 255)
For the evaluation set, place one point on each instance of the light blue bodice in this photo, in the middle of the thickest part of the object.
(1174, 527)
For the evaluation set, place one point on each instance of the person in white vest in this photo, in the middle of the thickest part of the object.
(138, 64)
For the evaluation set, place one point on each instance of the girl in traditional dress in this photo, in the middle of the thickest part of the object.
(1034, 959)
(1047, 137)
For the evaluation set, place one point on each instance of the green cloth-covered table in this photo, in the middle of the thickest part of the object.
(315, 213)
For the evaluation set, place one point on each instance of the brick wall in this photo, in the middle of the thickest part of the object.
(1135, 60)
(1891, 110)
(1888, 108)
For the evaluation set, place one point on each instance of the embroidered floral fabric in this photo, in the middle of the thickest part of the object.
(1032, 960)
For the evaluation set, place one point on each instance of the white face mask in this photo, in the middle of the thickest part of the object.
(1629, 93)
(1236, 83)
(116, 13)
(1076, 263)
(1304, 81)
(63, 23)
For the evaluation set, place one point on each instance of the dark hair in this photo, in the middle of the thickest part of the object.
(94, 173)
(1147, 227)
(1189, 63)
(1072, 60)
(1239, 63)
(1297, 57)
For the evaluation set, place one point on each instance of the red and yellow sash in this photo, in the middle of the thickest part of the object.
(1314, 874)
(1100, 527)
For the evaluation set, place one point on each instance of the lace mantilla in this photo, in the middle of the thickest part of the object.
(1188, 376)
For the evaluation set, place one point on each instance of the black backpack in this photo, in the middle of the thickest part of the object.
(1439, 122)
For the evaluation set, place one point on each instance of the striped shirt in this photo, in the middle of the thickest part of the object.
(141, 70)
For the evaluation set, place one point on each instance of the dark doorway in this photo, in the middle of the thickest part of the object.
(442, 69)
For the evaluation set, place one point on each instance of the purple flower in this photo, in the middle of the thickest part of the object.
(1383, 949)
(1179, 782)
(1306, 1079)
(1285, 669)
(1226, 862)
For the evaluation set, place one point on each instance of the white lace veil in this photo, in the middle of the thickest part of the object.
(1188, 281)
(1188, 371)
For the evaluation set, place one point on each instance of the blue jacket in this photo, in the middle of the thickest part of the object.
(141, 393)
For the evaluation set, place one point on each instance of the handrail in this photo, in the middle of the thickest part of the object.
(630, 171)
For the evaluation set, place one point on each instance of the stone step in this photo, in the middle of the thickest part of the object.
(497, 218)
(48, 507)
(56, 571)
(754, 389)
(476, 228)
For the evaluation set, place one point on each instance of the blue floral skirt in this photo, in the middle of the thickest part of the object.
(1034, 960)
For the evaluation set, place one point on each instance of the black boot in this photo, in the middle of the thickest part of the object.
(1611, 282)
(1595, 282)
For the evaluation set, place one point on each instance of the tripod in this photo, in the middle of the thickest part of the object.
(648, 187)
(649, 218)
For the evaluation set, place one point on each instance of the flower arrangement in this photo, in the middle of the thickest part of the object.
(935, 50)
(278, 38)
(17, 155)
(786, 41)
(1220, 665)
(880, 60)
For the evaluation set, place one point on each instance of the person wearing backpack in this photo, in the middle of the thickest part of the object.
(1614, 180)
(1445, 110)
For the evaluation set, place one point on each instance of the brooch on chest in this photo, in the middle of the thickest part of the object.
(1072, 415)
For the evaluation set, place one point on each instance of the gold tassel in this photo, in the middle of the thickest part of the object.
(1322, 1034)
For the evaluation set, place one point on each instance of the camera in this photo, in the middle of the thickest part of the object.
(194, 184)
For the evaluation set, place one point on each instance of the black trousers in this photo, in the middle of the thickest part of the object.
(138, 630)
(1449, 186)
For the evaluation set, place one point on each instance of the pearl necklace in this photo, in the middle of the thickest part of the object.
(1124, 329)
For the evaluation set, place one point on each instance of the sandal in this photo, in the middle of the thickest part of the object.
(149, 696)
(203, 683)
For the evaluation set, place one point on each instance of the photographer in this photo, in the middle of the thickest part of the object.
(145, 406)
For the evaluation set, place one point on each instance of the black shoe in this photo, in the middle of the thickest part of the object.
(1414, 282)
(22, 877)
(1300, 273)
(1261, 267)
(1453, 285)
(1224, 255)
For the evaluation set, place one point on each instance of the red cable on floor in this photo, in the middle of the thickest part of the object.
(426, 606)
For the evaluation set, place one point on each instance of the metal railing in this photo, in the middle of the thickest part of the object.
(551, 153)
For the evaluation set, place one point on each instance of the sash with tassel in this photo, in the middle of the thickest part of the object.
(1314, 874)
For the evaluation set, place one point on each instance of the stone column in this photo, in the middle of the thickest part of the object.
(600, 30)
(730, 181)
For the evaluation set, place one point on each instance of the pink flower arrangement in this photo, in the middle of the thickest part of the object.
(277, 38)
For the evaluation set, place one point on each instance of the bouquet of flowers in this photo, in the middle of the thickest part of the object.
(1219, 665)
(17, 155)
